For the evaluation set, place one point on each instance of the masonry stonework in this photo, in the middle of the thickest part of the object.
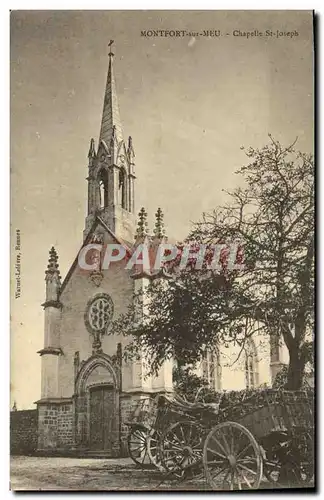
(65, 437)
(47, 426)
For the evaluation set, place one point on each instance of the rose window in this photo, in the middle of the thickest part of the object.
(100, 312)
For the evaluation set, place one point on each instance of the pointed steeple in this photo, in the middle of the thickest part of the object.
(111, 128)
(111, 170)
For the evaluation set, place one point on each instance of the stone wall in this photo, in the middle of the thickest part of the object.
(47, 426)
(55, 426)
(23, 432)
(65, 425)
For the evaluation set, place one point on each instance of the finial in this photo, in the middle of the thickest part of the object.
(52, 267)
(159, 230)
(92, 151)
(130, 148)
(111, 54)
(142, 226)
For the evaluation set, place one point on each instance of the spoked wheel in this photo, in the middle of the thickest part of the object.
(154, 451)
(232, 458)
(181, 448)
(137, 445)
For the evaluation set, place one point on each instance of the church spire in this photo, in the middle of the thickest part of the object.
(111, 170)
(111, 128)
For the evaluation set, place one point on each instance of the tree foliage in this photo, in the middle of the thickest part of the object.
(271, 215)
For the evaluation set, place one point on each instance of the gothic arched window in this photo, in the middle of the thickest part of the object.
(123, 188)
(251, 365)
(103, 188)
(211, 370)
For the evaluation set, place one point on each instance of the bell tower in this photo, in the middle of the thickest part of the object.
(111, 173)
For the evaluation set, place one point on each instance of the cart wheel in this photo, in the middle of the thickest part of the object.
(181, 448)
(137, 445)
(153, 450)
(232, 458)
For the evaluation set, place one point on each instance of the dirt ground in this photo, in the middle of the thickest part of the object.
(86, 474)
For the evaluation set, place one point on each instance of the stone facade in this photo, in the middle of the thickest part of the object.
(55, 421)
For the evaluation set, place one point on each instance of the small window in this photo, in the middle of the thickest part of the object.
(103, 188)
(123, 189)
(251, 366)
(211, 370)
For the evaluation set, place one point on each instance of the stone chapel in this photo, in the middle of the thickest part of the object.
(87, 390)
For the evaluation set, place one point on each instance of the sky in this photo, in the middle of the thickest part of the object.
(189, 104)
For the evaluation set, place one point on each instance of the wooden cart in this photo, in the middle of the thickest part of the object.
(266, 436)
(150, 419)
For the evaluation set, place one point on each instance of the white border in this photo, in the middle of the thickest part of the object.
(4, 198)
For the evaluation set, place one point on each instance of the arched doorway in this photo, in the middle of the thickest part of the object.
(97, 406)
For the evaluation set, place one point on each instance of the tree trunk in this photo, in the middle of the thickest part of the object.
(295, 371)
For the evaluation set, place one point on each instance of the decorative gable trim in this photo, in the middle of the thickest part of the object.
(87, 241)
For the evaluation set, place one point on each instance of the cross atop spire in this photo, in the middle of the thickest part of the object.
(111, 54)
(110, 114)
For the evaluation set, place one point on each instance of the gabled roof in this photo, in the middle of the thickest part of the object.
(96, 222)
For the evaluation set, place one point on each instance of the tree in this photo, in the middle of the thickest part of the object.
(281, 379)
(180, 318)
(272, 217)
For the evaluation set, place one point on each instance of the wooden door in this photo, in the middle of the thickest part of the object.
(101, 417)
